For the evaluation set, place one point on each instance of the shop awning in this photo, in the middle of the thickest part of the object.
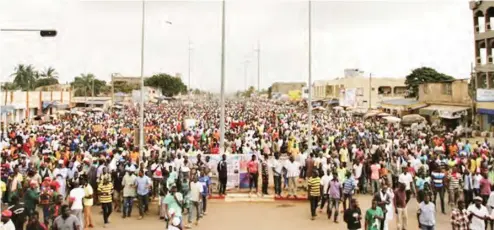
(7, 108)
(404, 104)
(445, 111)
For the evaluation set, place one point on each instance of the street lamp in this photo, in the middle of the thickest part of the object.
(42, 33)
(141, 105)
(222, 97)
(309, 134)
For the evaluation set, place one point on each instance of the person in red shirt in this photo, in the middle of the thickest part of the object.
(253, 170)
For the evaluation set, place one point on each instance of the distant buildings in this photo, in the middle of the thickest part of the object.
(355, 90)
(483, 75)
(286, 87)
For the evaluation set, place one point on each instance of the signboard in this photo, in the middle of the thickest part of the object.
(97, 128)
(485, 95)
(349, 97)
(189, 124)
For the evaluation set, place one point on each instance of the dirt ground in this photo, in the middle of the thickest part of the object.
(284, 215)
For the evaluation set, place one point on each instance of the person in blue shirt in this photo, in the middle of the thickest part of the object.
(143, 184)
(206, 181)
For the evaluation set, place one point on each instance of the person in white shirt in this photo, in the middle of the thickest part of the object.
(293, 171)
(196, 188)
(277, 168)
(478, 214)
(76, 197)
(406, 178)
(325, 188)
(7, 223)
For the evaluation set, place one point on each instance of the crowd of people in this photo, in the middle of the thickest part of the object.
(53, 172)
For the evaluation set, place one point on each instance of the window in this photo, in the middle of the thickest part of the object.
(446, 89)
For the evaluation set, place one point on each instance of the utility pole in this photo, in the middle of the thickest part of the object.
(246, 85)
(370, 91)
(112, 92)
(258, 66)
(189, 88)
(92, 93)
(222, 97)
(309, 103)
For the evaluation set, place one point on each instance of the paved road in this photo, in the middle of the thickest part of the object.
(261, 216)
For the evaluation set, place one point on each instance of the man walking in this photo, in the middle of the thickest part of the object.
(459, 217)
(353, 215)
(401, 207)
(105, 191)
(129, 192)
(426, 215)
(314, 188)
(478, 214)
(143, 184)
(438, 186)
(222, 174)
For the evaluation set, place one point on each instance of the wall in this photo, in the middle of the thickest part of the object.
(438, 93)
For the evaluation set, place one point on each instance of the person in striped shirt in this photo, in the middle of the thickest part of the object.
(314, 188)
(438, 186)
(105, 191)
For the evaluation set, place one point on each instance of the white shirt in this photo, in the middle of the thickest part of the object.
(77, 194)
(196, 189)
(277, 167)
(325, 183)
(292, 168)
(476, 223)
(7, 226)
(405, 179)
(358, 170)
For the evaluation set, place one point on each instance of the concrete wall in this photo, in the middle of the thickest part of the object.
(447, 93)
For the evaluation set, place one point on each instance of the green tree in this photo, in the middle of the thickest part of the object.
(168, 84)
(83, 85)
(249, 91)
(423, 75)
(10, 86)
(124, 87)
(49, 73)
(25, 76)
(46, 82)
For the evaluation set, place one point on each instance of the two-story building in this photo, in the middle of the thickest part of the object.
(448, 102)
(483, 76)
(359, 91)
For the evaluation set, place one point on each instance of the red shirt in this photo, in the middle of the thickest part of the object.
(252, 167)
(485, 187)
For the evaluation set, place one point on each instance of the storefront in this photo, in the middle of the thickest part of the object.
(401, 107)
(451, 116)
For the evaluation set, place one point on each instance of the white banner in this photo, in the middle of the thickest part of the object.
(485, 95)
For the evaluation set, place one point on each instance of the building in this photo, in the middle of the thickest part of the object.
(448, 101)
(128, 80)
(483, 74)
(286, 87)
(356, 89)
(19, 105)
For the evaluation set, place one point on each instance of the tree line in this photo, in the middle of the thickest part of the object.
(27, 77)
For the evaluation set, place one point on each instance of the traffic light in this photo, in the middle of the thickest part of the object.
(48, 33)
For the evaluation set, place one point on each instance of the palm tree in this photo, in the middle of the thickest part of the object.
(49, 73)
(83, 84)
(25, 76)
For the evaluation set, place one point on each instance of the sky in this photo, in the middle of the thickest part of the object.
(385, 38)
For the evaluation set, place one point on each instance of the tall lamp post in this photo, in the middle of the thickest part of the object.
(141, 104)
(222, 96)
(309, 103)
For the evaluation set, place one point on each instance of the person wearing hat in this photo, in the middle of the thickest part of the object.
(478, 213)
(173, 202)
(31, 197)
(6, 222)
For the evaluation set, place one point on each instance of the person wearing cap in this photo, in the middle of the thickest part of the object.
(7, 223)
(478, 213)
(31, 197)
(174, 201)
